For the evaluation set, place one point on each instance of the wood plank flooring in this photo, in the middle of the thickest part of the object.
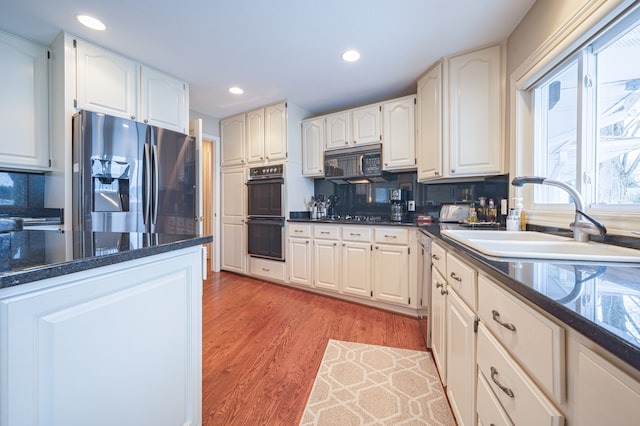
(263, 343)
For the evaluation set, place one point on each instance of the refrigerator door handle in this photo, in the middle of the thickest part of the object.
(146, 192)
(154, 157)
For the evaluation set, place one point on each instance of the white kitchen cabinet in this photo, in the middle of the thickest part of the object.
(299, 256)
(365, 125)
(461, 359)
(391, 265)
(254, 134)
(605, 395)
(356, 269)
(106, 82)
(475, 112)
(399, 130)
(119, 344)
(164, 102)
(233, 226)
(490, 412)
(275, 132)
(461, 116)
(313, 147)
(118, 86)
(24, 105)
(438, 322)
(232, 146)
(429, 124)
(326, 265)
(338, 130)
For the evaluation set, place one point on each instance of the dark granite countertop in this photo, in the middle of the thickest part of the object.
(352, 222)
(599, 300)
(32, 255)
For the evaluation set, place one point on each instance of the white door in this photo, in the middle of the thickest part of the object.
(255, 136)
(391, 276)
(275, 132)
(366, 125)
(195, 130)
(164, 100)
(338, 130)
(232, 141)
(313, 147)
(429, 124)
(326, 264)
(439, 322)
(356, 269)
(299, 259)
(399, 134)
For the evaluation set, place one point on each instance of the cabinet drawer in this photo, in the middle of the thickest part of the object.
(299, 230)
(270, 269)
(490, 412)
(522, 400)
(392, 236)
(356, 233)
(439, 257)
(463, 279)
(326, 232)
(534, 341)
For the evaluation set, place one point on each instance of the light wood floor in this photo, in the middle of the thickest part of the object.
(263, 343)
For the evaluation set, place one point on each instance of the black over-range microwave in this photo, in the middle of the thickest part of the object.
(353, 164)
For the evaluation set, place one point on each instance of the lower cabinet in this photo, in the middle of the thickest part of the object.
(391, 274)
(299, 259)
(326, 263)
(115, 345)
(461, 359)
(233, 246)
(438, 322)
(356, 269)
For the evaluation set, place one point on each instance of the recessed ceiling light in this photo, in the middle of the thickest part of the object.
(236, 90)
(351, 56)
(91, 22)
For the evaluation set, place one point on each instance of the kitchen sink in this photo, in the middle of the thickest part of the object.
(538, 245)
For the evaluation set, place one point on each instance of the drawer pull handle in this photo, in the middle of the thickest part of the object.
(325, 232)
(438, 285)
(507, 325)
(354, 234)
(297, 230)
(435, 257)
(391, 236)
(266, 269)
(455, 277)
(443, 292)
(504, 389)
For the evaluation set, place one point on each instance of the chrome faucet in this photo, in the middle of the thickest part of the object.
(581, 228)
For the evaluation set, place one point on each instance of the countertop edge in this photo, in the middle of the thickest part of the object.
(597, 334)
(57, 269)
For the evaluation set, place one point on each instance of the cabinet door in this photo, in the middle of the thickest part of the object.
(299, 259)
(399, 137)
(429, 125)
(391, 276)
(164, 100)
(232, 141)
(233, 188)
(24, 105)
(326, 265)
(106, 82)
(366, 125)
(338, 130)
(476, 110)
(313, 147)
(605, 394)
(275, 132)
(438, 322)
(461, 359)
(255, 136)
(234, 246)
(356, 269)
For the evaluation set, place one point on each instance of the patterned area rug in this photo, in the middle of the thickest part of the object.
(376, 385)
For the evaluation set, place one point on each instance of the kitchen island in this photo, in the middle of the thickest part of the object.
(101, 328)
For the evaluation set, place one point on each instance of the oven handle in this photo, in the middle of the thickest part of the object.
(267, 221)
(265, 181)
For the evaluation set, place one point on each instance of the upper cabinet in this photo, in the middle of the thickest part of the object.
(232, 136)
(354, 127)
(24, 105)
(256, 137)
(464, 95)
(399, 140)
(118, 86)
(338, 130)
(313, 147)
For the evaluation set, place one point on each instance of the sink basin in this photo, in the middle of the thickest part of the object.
(538, 245)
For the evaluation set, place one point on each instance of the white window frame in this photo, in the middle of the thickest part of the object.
(586, 22)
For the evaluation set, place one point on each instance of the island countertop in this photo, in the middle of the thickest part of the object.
(33, 255)
(599, 300)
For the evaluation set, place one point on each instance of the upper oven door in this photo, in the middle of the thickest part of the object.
(264, 197)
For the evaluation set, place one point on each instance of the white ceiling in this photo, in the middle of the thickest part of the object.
(277, 49)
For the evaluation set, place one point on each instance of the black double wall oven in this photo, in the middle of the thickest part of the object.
(265, 224)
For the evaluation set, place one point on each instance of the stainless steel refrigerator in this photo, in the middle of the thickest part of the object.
(132, 177)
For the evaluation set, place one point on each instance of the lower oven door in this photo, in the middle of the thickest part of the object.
(265, 238)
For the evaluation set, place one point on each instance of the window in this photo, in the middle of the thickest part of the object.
(586, 121)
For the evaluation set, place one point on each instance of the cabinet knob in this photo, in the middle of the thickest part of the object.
(443, 292)
(386, 164)
(453, 171)
(346, 142)
(436, 173)
(146, 121)
(133, 117)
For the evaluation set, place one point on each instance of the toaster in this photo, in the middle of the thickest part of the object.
(454, 212)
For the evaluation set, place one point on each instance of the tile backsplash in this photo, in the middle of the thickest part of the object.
(21, 190)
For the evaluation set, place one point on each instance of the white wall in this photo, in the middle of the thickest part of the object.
(210, 125)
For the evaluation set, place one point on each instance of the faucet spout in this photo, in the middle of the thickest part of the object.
(581, 228)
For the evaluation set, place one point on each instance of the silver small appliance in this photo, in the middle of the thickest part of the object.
(398, 204)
